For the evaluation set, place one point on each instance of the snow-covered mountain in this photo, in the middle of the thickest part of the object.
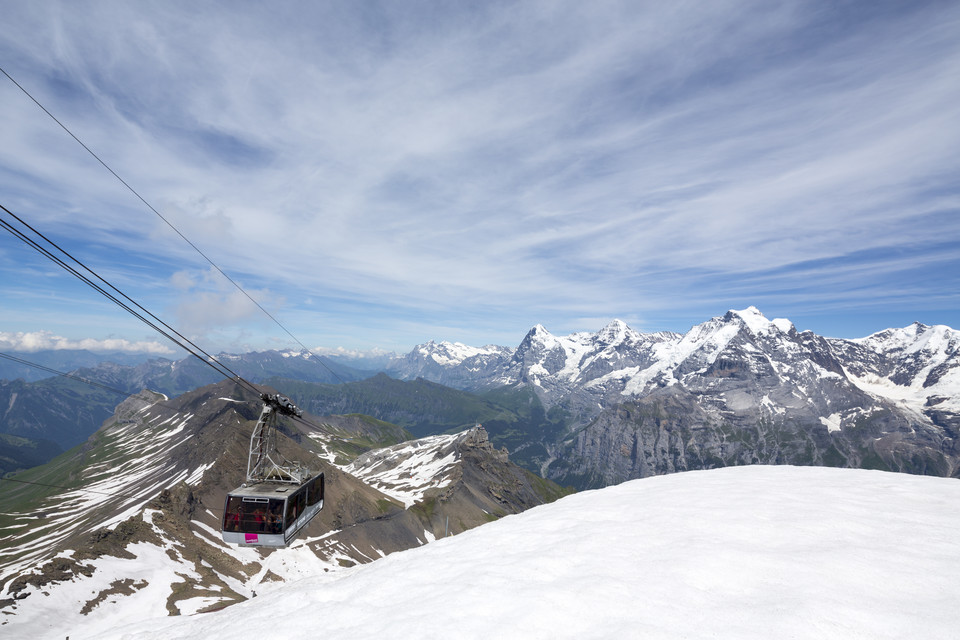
(592, 409)
(737, 389)
(451, 363)
(916, 366)
(745, 553)
(135, 512)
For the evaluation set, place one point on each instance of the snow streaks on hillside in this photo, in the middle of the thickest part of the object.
(406, 471)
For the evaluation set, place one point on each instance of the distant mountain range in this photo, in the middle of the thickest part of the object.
(54, 413)
(592, 409)
(737, 389)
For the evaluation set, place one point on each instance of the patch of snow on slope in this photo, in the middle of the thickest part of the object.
(59, 608)
(770, 407)
(197, 474)
(406, 471)
(783, 324)
(328, 454)
(131, 474)
(914, 397)
(832, 422)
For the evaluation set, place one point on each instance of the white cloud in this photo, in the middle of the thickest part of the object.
(351, 353)
(46, 341)
(207, 302)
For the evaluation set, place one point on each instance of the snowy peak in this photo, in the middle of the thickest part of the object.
(757, 323)
(744, 367)
(452, 353)
(539, 329)
(914, 338)
(450, 363)
(917, 366)
(538, 337)
(617, 332)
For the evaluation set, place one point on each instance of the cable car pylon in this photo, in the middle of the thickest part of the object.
(265, 463)
(279, 497)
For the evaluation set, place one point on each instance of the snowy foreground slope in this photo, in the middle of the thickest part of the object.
(745, 552)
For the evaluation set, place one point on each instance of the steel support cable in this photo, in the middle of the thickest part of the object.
(170, 224)
(210, 360)
(101, 290)
(93, 383)
(96, 384)
(86, 280)
(87, 381)
(229, 374)
(120, 391)
(126, 394)
(215, 364)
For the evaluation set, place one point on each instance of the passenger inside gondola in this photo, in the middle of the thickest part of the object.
(259, 520)
(233, 519)
(275, 518)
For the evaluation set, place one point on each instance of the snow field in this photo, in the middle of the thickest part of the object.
(745, 552)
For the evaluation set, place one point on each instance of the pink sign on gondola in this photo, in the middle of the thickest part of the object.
(250, 537)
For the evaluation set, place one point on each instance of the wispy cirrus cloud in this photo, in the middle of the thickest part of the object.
(508, 163)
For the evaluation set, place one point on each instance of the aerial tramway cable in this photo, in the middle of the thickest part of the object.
(171, 225)
(107, 388)
(209, 360)
(93, 383)
(288, 508)
(169, 333)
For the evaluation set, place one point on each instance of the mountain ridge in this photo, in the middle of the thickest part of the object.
(888, 400)
(149, 486)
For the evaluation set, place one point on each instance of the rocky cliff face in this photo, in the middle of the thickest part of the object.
(668, 430)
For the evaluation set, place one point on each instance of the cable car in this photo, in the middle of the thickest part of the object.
(279, 498)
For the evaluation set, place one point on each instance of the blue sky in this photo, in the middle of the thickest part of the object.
(380, 174)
